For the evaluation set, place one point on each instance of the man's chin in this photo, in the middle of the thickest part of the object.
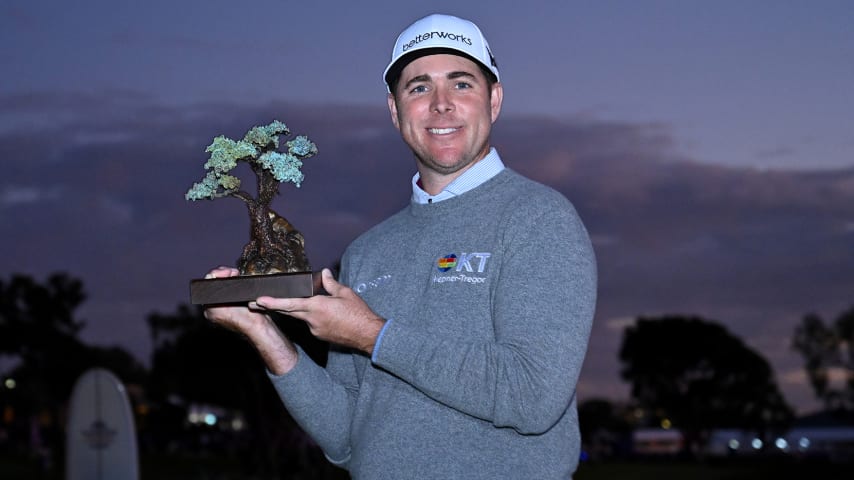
(447, 166)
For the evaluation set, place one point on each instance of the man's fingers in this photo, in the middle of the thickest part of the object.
(286, 305)
(329, 283)
(221, 272)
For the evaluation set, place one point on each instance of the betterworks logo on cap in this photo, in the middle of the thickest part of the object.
(437, 37)
(443, 31)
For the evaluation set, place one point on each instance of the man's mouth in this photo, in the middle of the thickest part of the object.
(442, 131)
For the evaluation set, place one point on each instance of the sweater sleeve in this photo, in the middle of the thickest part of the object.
(542, 313)
(321, 403)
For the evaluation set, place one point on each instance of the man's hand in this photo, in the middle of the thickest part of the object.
(277, 351)
(238, 318)
(342, 317)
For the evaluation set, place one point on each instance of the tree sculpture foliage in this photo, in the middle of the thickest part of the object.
(275, 246)
(699, 376)
(825, 348)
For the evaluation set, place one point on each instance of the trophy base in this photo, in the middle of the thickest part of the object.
(246, 288)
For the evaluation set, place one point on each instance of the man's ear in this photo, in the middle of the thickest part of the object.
(495, 99)
(392, 108)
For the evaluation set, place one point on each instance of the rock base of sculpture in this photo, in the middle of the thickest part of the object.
(242, 289)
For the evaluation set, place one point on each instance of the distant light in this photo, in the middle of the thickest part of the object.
(756, 444)
(781, 443)
(10, 383)
(734, 444)
(194, 418)
(804, 443)
(666, 424)
(237, 424)
(210, 419)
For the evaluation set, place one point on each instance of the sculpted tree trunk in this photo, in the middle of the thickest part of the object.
(275, 245)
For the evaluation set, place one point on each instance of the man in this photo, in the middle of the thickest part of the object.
(461, 322)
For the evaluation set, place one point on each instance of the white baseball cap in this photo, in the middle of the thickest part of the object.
(439, 31)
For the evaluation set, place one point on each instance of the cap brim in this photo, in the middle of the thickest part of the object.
(394, 70)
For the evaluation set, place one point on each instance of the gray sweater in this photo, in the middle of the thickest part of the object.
(490, 298)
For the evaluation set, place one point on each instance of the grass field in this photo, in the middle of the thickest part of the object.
(772, 468)
(167, 468)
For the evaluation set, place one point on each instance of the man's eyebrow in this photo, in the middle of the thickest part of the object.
(460, 74)
(417, 79)
(451, 76)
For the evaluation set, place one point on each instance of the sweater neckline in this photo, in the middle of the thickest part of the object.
(451, 204)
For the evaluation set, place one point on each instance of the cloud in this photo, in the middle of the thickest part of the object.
(97, 184)
(619, 324)
(836, 378)
(776, 153)
(15, 195)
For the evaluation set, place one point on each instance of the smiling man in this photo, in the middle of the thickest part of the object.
(458, 325)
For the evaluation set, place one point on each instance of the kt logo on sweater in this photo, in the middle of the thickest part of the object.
(469, 262)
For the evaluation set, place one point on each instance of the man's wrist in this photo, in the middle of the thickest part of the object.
(278, 352)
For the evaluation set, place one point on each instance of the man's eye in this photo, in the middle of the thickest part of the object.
(418, 89)
(463, 85)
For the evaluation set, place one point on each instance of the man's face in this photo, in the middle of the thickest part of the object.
(444, 108)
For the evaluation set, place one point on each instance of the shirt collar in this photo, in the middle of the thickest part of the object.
(488, 167)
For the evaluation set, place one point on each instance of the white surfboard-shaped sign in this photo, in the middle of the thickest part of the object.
(101, 441)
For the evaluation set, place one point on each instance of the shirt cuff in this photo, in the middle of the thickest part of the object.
(379, 340)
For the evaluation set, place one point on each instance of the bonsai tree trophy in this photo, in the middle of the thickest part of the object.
(274, 261)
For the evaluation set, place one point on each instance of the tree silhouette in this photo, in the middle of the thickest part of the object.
(197, 361)
(32, 314)
(824, 348)
(603, 428)
(698, 376)
(39, 330)
(37, 327)
(274, 245)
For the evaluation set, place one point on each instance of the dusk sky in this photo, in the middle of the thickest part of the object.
(707, 145)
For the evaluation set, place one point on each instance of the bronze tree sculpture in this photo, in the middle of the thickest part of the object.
(275, 246)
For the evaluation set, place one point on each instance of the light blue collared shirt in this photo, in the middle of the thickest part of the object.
(478, 173)
(488, 167)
